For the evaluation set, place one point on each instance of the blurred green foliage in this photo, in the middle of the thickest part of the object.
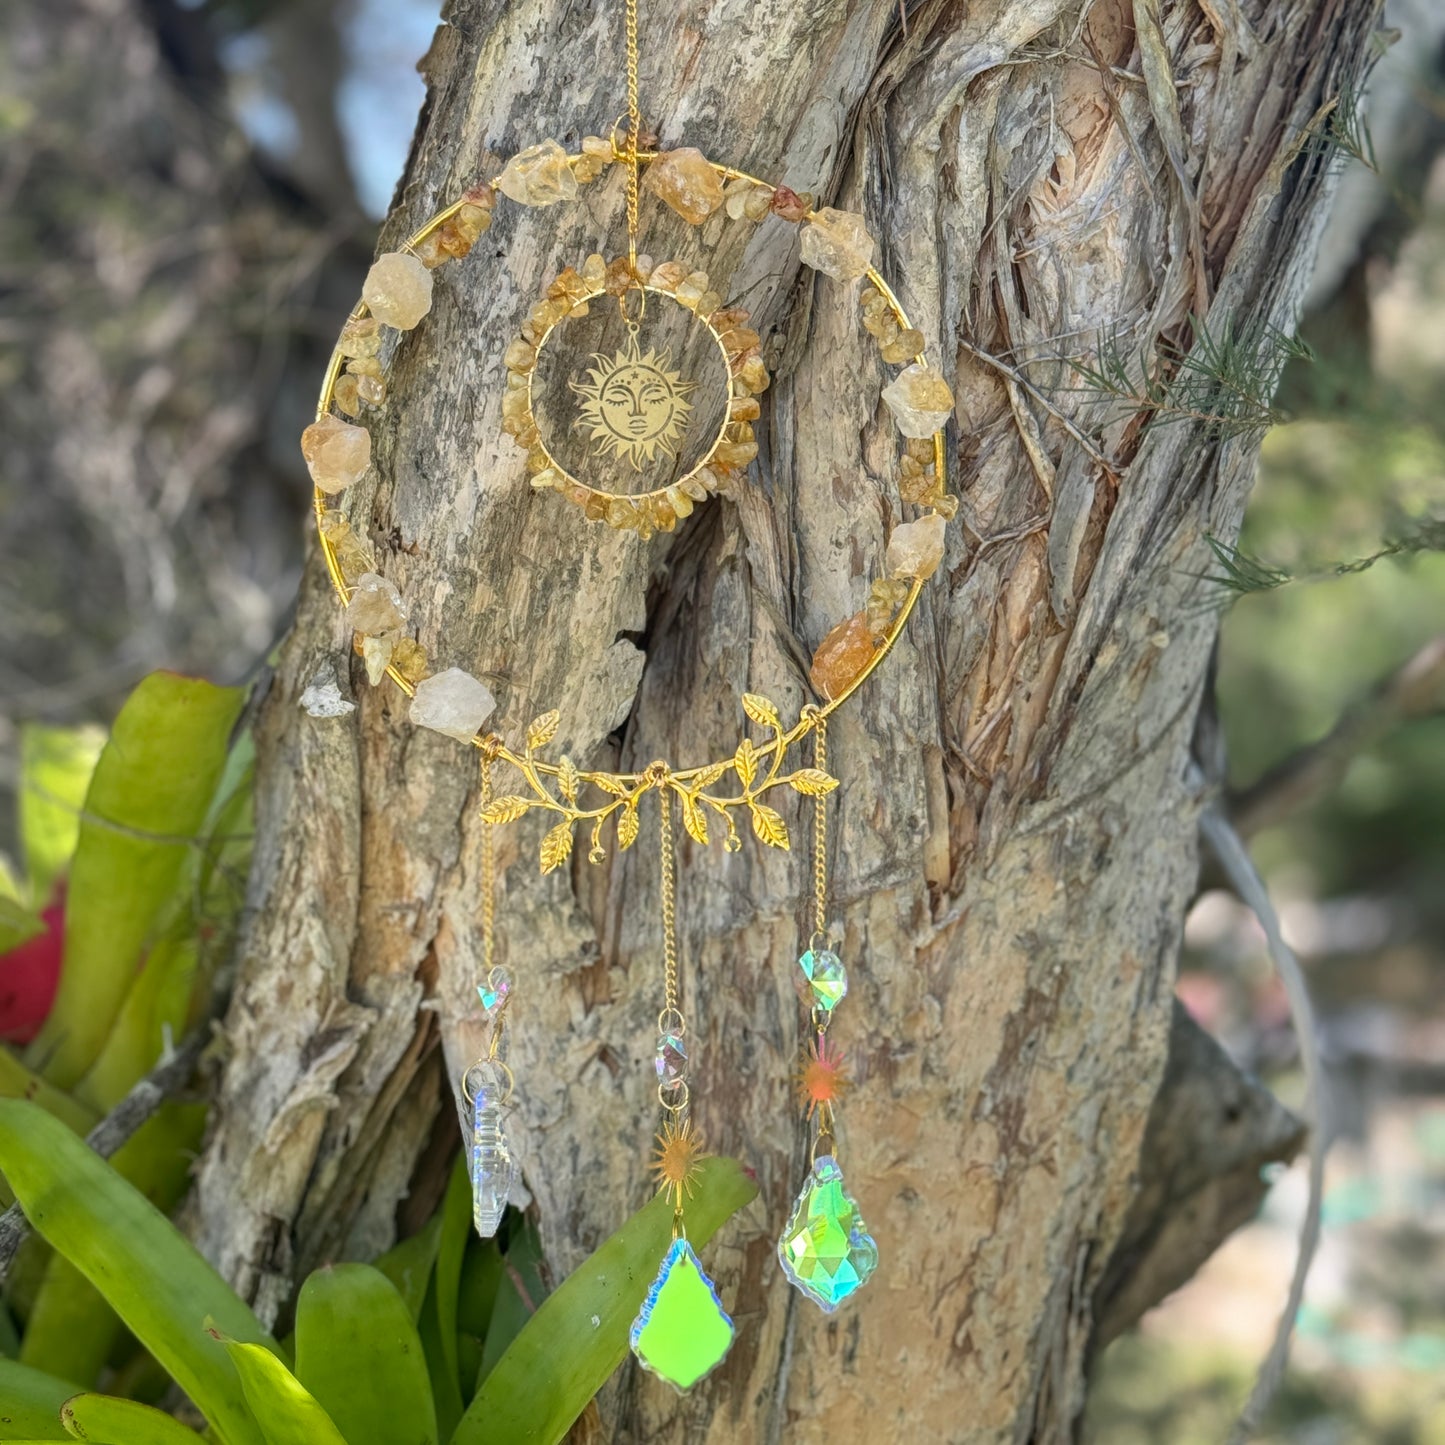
(516, 1362)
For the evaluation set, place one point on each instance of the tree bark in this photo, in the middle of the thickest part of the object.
(1014, 845)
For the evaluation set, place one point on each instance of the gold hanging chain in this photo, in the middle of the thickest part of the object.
(820, 833)
(489, 875)
(634, 131)
(669, 904)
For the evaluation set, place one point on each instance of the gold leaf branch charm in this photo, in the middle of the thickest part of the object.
(754, 770)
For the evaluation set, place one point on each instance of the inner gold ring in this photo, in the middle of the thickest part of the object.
(637, 509)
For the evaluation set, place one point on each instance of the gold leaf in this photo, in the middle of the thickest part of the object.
(627, 826)
(813, 781)
(609, 784)
(708, 776)
(745, 762)
(693, 819)
(557, 846)
(505, 810)
(761, 710)
(542, 730)
(568, 778)
(769, 825)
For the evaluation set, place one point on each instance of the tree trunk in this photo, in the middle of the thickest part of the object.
(1015, 833)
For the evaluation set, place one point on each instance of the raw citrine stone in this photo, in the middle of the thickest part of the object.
(916, 548)
(668, 276)
(825, 1248)
(904, 347)
(361, 336)
(472, 221)
(409, 658)
(919, 399)
(753, 375)
(347, 394)
(397, 290)
(685, 180)
(838, 244)
(336, 453)
(353, 556)
(758, 203)
(375, 606)
(376, 654)
(842, 655)
(885, 597)
(539, 176)
(682, 1330)
(822, 980)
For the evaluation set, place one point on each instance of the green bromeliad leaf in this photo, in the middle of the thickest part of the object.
(284, 1408)
(359, 1355)
(55, 770)
(149, 798)
(147, 1271)
(30, 1403)
(107, 1421)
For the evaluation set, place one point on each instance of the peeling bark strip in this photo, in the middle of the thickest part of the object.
(1015, 844)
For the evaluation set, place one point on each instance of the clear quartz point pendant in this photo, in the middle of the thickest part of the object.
(825, 1248)
(494, 1170)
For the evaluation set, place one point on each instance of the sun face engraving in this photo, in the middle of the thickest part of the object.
(635, 404)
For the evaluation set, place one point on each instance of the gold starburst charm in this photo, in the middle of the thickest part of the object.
(635, 404)
(675, 1165)
(822, 1078)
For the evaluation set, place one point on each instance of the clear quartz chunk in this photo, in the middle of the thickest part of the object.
(825, 1248)
(822, 981)
(494, 1170)
(453, 703)
(916, 548)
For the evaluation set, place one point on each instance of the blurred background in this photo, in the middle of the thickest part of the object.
(189, 195)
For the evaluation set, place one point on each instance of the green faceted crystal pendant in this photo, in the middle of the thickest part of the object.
(825, 1249)
(682, 1330)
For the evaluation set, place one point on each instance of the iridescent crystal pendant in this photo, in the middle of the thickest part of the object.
(494, 1170)
(825, 1248)
(682, 1330)
(822, 981)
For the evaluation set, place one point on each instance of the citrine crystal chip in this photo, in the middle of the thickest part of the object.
(682, 1330)
(822, 980)
(825, 1248)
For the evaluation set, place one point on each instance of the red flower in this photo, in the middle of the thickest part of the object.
(29, 976)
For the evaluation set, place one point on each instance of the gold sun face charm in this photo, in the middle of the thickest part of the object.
(635, 404)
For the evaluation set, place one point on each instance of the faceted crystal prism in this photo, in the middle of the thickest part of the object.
(671, 1058)
(493, 1168)
(682, 1330)
(823, 980)
(495, 991)
(825, 1248)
